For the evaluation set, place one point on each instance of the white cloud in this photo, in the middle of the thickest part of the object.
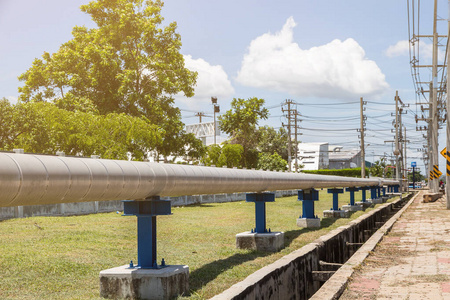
(211, 81)
(425, 51)
(338, 69)
(399, 49)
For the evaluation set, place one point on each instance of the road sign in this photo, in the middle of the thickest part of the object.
(413, 164)
(436, 172)
(444, 152)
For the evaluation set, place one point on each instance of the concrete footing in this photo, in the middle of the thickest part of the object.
(377, 201)
(270, 242)
(336, 214)
(385, 198)
(395, 194)
(352, 207)
(135, 283)
(308, 222)
(364, 204)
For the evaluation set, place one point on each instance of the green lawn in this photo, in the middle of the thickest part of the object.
(61, 257)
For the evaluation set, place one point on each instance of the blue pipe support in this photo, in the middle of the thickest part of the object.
(308, 197)
(260, 200)
(396, 188)
(384, 190)
(363, 193)
(378, 191)
(335, 193)
(373, 192)
(146, 212)
(352, 191)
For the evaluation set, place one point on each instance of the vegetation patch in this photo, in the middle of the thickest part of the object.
(53, 257)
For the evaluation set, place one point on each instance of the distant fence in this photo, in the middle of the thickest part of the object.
(84, 208)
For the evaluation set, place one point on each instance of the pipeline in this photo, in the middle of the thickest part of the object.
(28, 179)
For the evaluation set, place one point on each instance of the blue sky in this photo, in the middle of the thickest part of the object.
(314, 52)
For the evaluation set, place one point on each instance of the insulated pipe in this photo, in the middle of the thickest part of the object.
(27, 179)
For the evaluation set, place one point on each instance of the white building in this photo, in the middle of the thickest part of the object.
(313, 156)
(344, 159)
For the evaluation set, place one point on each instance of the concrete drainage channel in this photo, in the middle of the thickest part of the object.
(320, 270)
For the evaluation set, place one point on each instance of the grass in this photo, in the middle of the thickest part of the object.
(61, 257)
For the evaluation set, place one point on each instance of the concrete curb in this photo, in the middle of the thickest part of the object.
(335, 286)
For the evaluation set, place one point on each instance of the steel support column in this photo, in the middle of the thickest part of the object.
(363, 193)
(335, 193)
(308, 197)
(373, 192)
(260, 200)
(352, 191)
(146, 212)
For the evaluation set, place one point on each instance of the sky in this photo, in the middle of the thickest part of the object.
(322, 54)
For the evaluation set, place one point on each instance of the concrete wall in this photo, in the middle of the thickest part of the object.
(84, 208)
(291, 276)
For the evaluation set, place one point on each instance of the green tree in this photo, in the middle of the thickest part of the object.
(380, 169)
(271, 162)
(240, 122)
(7, 129)
(41, 127)
(417, 175)
(129, 64)
(211, 157)
(230, 156)
(271, 141)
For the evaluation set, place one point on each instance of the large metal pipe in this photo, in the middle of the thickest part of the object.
(27, 179)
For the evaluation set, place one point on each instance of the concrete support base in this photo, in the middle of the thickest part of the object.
(377, 201)
(336, 214)
(364, 204)
(124, 282)
(352, 207)
(269, 242)
(308, 222)
(385, 198)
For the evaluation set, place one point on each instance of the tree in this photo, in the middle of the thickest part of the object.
(380, 169)
(128, 64)
(271, 141)
(271, 162)
(417, 175)
(212, 155)
(231, 156)
(41, 127)
(240, 122)
(7, 130)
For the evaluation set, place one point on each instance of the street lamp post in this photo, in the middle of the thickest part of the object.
(216, 110)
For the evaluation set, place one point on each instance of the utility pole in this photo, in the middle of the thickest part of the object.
(405, 162)
(296, 120)
(289, 117)
(396, 151)
(399, 165)
(400, 141)
(434, 109)
(200, 115)
(447, 169)
(296, 142)
(363, 123)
